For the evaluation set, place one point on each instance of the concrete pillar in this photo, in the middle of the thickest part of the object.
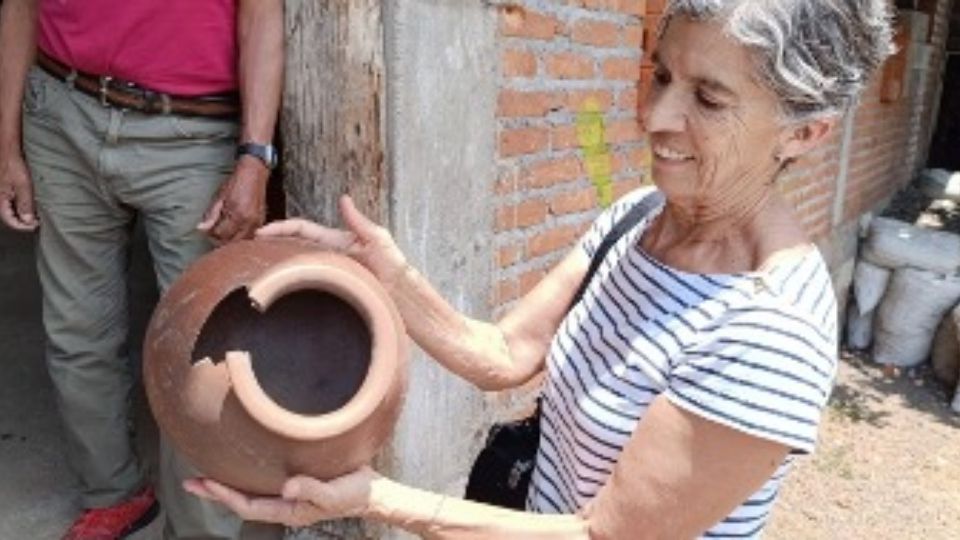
(427, 107)
(840, 186)
(442, 88)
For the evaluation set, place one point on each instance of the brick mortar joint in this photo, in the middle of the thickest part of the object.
(563, 44)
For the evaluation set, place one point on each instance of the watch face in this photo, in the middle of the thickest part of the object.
(271, 157)
(264, 152)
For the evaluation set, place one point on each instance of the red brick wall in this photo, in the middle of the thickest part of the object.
(881, 160)
(555, 55)
(553, 60)
(891, 139)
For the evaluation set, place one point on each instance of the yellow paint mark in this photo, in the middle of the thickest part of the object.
(591, 135)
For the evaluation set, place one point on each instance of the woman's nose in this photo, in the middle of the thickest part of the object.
(663, 110)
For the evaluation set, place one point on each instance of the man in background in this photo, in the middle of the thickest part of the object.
(110, 111)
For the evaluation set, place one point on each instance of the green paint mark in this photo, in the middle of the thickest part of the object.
(596, 155)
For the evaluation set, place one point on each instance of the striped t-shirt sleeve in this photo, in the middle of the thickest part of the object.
(763, 371)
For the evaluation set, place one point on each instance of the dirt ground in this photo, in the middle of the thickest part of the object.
(887, 465)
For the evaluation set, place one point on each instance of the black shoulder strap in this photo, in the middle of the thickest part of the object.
(624, 224)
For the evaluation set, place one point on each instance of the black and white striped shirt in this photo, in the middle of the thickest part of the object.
(754, 351)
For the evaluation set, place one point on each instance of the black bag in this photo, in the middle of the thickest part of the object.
(503, 468)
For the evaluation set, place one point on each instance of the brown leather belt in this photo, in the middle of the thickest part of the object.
(126, 95)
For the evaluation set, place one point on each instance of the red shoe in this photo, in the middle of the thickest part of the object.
(117, 521)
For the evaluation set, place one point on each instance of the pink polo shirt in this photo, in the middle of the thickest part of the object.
(181, 47)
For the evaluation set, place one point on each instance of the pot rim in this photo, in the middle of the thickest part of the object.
(371, 302)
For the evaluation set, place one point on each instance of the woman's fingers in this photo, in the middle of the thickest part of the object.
(304, 500)
(232, 499)
(327, 238)
(296, 227)
(265, 509)
(304, 488)
(355, 220)
(359, 230)
(345, 496)
(196, 487)
(293, 489)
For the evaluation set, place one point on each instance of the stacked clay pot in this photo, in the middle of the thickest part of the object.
(269, 358)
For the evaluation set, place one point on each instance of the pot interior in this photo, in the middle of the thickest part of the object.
(310, 350)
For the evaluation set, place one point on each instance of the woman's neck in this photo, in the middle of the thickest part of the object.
(734, 235)
(716, 219)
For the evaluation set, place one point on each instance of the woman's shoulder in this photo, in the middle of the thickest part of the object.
(802, 283)
(647, 196)
(766, 364)
(795, 297)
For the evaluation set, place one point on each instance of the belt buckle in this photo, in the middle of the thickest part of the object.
(71, 78)
(157, 102)
(104, 87)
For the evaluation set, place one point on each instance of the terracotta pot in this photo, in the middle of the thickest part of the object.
(268, 358)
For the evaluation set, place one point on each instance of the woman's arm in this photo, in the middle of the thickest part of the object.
(437, 517)
(679, 475)
(491, 356)
(366, 494)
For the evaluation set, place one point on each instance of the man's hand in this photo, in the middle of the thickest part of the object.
(240, 206)
(16, 193)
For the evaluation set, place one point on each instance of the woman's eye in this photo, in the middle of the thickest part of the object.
(708, 103)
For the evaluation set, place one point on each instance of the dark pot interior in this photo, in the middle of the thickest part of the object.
(311, 349)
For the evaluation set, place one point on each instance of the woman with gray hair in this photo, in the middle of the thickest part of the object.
(693, 370)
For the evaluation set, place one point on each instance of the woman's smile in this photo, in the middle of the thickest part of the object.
(667, 159)
(669, 154)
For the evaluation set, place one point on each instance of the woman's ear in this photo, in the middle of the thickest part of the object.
(798, 139)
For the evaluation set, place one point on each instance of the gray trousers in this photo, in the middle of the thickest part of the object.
(94, 169)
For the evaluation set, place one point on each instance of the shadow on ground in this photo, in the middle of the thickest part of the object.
(917, 387)
(37, 491)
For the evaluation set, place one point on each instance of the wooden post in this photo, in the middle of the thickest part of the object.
(333, 108)
(332, 130)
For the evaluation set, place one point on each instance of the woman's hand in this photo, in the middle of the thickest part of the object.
(303, 500)
(368, 243)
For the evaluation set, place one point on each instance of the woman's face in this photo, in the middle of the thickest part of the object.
(715, 130)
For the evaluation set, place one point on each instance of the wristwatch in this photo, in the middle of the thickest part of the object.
(266, 153)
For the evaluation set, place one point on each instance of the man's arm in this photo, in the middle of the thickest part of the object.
(260, 30)
(18, 20)
(240, 206)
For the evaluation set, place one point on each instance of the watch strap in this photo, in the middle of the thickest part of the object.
(266, 153)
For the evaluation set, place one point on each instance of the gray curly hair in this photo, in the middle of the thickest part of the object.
(817, 55)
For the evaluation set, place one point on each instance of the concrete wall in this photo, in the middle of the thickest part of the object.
(441, 97)
(441, 87)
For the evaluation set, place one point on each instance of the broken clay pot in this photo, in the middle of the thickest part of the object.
(268, 358)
